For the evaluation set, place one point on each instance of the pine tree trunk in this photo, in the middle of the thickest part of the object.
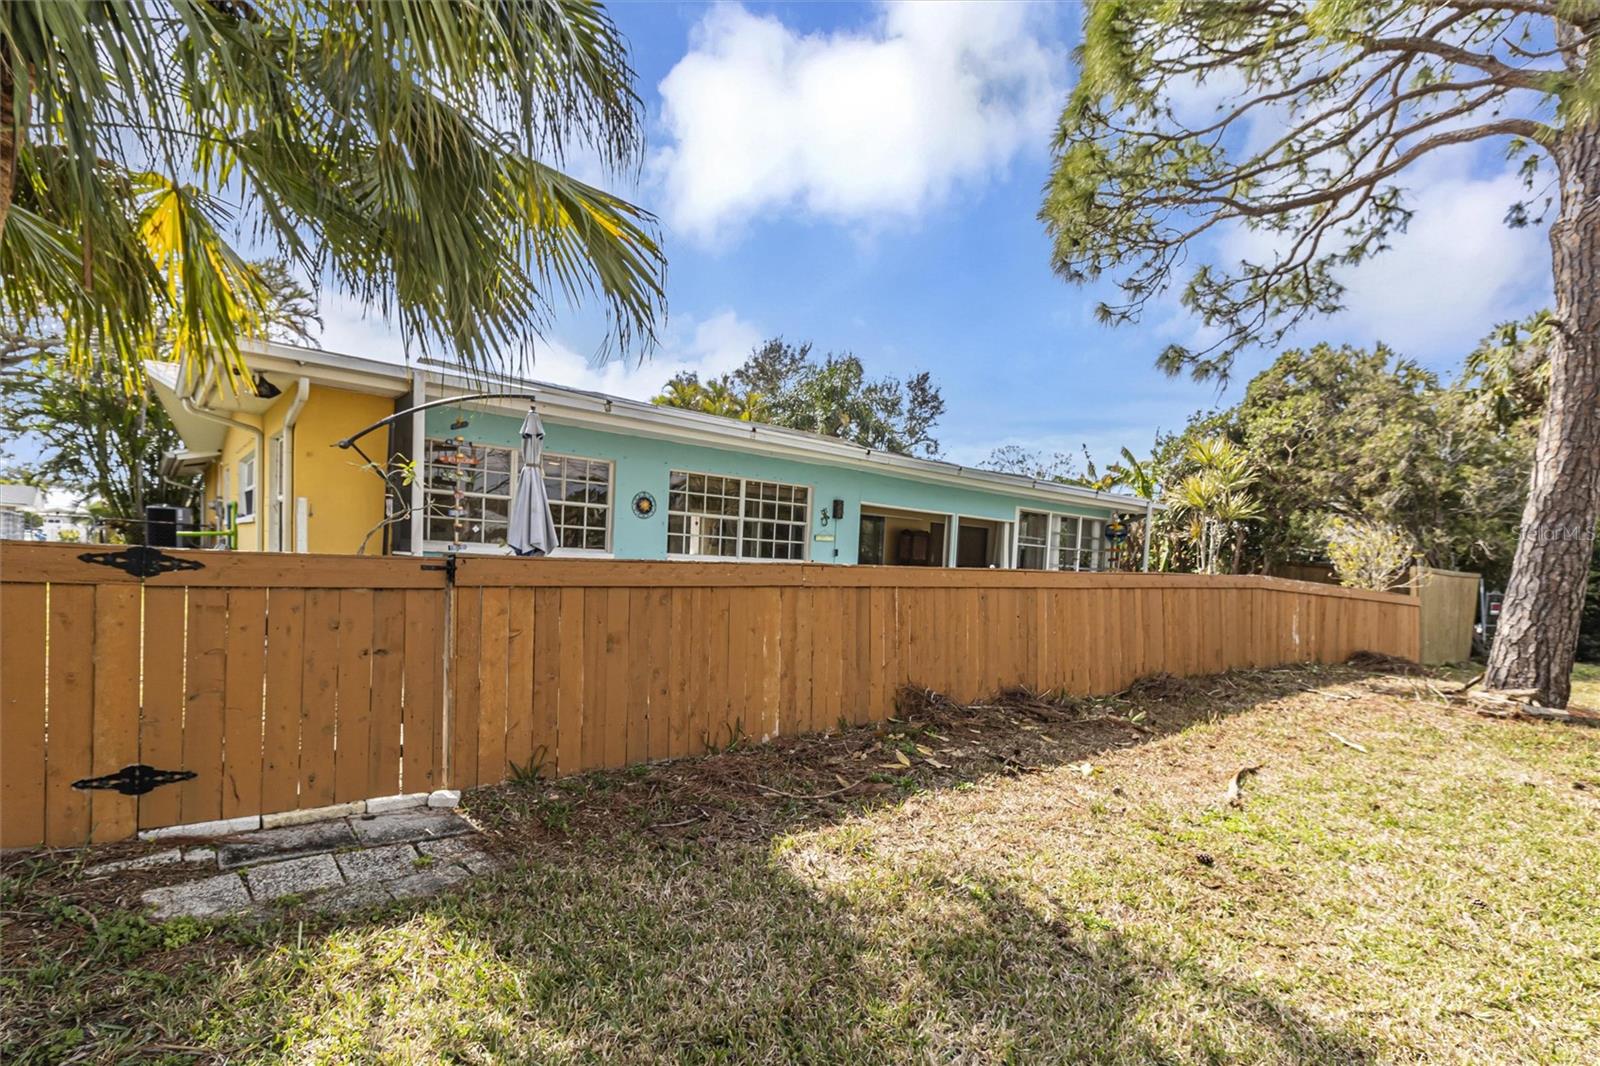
(1538, 632)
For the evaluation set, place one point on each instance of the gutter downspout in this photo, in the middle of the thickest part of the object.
(290, 515)
(199, 410)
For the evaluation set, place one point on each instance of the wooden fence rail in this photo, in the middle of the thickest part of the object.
(284, 682)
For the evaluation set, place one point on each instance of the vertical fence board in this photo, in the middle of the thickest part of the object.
(545, 743)
(569, 709)
(280, 747)
(319, 698)
(71, 713)
(353, 729)
(242, 714)
(613, 663)
(205, 674)
(494, 634)
(593, 671)
(741, 664)
(161, 716)
(464, 686)
(679, 669)
(388, 680)
(116, 707)
(636, 708)
(658, 650)
(805, 631)
(422, 699)
(716, 724)
(22, 715)
(521, 650)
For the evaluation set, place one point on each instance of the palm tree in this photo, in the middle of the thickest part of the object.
(715, 397)
(1216, 501)
(408, 151)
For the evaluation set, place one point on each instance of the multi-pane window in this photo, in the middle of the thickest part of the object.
(468, 488)
(1078, 543)
(1033, 540)
(467, 492)
(580, 500)
(731, 517)
(247, 486)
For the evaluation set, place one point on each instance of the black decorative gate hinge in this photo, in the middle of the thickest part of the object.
(141, 561)
(135, 780)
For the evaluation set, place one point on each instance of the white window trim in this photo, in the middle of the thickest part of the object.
(239, 491)
(445, 547)
(1052, 558)
(608, 552)
(805, 540)
(1016, 540)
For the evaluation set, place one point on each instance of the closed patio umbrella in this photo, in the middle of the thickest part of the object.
(533, 531)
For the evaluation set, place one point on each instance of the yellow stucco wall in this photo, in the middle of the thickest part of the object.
(344, 500)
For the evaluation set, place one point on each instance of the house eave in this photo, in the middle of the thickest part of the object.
(604, 411)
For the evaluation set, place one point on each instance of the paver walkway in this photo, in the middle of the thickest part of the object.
(336, 864)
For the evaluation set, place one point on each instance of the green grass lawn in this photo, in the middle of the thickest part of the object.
(1586, 685)
(1044, 883)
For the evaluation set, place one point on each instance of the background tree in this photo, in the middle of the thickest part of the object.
(1215, 499)
(81, 430)
(1016, 459)
(783, 385)
(1324, 107)
(719, 396)
(1368, 554)
(85, 435)
(1356, 433)
(409, 151)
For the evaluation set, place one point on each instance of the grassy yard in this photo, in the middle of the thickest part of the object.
(1586, 684)
(1024, 882)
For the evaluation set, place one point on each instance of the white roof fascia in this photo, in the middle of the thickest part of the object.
(601, 410)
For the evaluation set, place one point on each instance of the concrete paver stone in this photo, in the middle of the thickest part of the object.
(212, 897)
(293, 877)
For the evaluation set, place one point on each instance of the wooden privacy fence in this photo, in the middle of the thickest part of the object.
(284, 682)
(1448, 601)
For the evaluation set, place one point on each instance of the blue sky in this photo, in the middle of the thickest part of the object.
(866, 177)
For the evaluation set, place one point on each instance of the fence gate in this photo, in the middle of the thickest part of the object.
(141, 689)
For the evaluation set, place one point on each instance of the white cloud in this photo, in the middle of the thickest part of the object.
(709, 346)
(1443, 283)
(1453, 274)
(874, 125)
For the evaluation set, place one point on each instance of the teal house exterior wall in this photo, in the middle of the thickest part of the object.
(642, 464)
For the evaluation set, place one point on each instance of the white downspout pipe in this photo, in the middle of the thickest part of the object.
(199, 410)
(290, 512)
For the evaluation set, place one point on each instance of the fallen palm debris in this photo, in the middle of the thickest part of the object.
(1379, 663)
